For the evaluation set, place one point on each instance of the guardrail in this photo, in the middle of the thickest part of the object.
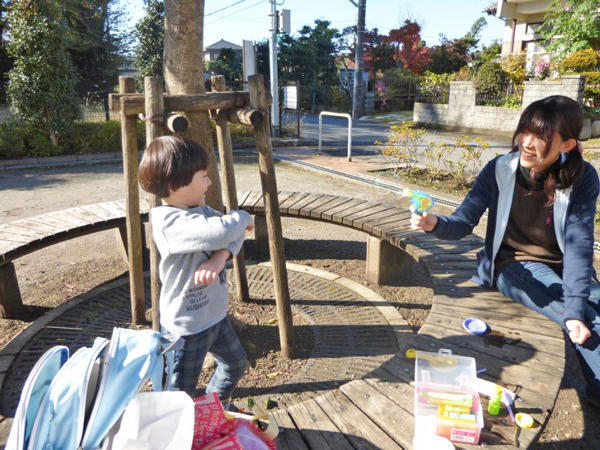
(345, 115)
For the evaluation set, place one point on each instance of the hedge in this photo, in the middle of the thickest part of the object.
(18, 140)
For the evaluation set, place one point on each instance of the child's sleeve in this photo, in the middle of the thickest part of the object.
(235, 246)
(189, 232)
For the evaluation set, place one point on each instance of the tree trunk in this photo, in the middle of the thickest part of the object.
(184, 74)
(54, 138)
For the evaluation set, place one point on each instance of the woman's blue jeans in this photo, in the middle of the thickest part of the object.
(538, 287)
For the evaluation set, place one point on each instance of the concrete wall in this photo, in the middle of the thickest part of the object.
(461, 113)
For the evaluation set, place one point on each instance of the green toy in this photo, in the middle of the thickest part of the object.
(494, 404)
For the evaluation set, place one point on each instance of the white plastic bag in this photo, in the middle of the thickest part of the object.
(155, 421)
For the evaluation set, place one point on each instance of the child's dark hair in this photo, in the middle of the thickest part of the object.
(170, 162)
(543, 118)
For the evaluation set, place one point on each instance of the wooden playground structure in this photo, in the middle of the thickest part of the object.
(161, 112)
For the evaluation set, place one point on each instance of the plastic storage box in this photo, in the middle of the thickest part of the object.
(446, 404)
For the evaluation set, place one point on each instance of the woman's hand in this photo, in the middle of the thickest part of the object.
(578, 331)
(425, 222)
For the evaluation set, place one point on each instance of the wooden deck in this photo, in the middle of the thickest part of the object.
(524, 352)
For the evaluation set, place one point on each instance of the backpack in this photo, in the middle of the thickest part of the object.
(72, 403)
(35, 388)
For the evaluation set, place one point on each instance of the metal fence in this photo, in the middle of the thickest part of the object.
(509, 95)
(395, 94)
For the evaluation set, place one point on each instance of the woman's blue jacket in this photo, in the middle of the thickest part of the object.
(574, 211)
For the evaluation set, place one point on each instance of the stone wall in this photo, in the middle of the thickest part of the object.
(462, 114)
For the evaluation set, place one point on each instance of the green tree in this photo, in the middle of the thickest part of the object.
(572, 25)
(97, 45)
(228, 64)
(41, 84)
(5, 60)
(451, 55)
(310, 58)
(262, 58)
(487, 53)
(150, 35)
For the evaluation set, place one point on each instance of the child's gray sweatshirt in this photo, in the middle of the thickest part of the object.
(185, 238)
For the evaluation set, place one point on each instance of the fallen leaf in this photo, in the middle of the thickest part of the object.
(272, 321)
(272, 375)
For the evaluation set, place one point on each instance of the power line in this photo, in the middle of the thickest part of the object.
(237, 11)
(223, 9)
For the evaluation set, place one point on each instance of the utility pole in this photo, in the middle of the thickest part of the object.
(273, 69)
(358, 91)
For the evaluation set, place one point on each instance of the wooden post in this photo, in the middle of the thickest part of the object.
(261, 236)
(132, 205)
(266, 165)
(11, 304)
(155, 112)
(385, 262)
(230, 191)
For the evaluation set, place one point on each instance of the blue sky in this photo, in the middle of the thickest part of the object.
(248, 19)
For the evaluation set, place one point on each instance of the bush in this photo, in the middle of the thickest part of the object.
(435, 87)
(592, 78)
(338, 100)
(490, 80)
(514, 67)
(18, 140)
(581, 61)
(463, 74)
(428, 163)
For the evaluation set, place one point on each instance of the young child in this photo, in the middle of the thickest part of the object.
(539, 240)
(194, 242)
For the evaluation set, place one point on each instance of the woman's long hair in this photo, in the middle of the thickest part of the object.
(543, 118)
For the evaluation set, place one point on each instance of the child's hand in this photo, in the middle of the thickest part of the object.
(251, 226)
(578, 331)
(205, 274)
(208, 272)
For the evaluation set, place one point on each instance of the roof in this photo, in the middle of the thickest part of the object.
(223, 44)
(492, 9)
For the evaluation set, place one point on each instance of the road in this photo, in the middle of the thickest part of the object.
(366, 132)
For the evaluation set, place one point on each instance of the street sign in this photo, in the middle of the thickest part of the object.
(290, 97)
(248, 59)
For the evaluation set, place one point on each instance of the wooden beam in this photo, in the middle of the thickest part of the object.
(132, 205)
(259, 100)
(229, 188)
(246, 116)
(155, 116)
(183, 102)
(178, 123)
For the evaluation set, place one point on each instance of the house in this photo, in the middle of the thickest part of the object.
(211, 52)
(522, 19)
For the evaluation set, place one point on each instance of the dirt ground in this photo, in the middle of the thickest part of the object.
(51, 276)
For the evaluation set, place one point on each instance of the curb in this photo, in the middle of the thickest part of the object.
(109, 157)
(12, 349)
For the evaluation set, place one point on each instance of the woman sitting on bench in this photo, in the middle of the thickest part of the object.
(540, 231)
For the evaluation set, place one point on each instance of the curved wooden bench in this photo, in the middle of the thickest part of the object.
(524, 352)
(24, 236)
